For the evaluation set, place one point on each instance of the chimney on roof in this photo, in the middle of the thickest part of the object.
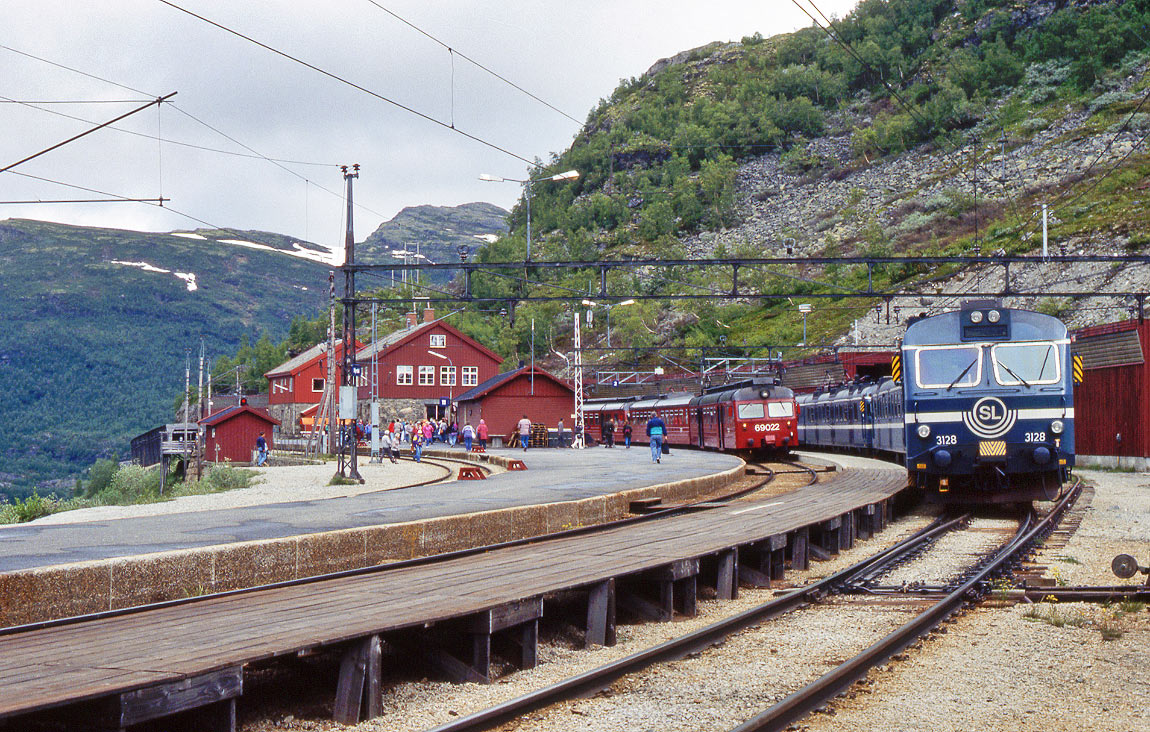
(428, 315)
(411, 320)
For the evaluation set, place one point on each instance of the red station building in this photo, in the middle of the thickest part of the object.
(503, 400)
(427, 362)
(301, 380)
(230, 434)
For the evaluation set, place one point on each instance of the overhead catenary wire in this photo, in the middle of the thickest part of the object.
(158, 100)
(352, 84)
(465, 57)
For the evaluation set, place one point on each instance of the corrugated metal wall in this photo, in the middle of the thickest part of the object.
(1111, 410)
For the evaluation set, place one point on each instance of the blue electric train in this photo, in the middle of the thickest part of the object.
(980, 408)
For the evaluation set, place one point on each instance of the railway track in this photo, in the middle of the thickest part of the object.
(874, 582)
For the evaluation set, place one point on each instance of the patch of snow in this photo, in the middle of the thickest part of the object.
(489, 238)
(142, 265)
(189, 278)
(300, 250)
(189, 235)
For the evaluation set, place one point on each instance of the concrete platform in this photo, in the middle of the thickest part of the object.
(122, 562)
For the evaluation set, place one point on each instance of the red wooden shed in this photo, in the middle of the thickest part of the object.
(503, 400)
(230, 434)
(1112, 404)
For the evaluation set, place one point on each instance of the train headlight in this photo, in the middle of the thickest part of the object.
(976, 316)
(1056, 427)
(923, 431)
(994, 316)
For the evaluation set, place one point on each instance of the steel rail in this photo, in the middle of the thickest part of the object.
(814, 695)
(600, 678)
(1111, 593)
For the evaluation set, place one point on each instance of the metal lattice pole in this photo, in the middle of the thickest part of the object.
(577, 442)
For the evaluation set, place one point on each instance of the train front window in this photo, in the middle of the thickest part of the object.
(1026, 364)
(754, 410)
(777, 410)
(948, 366)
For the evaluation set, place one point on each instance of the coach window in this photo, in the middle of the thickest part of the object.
(1026, 364)
(948, 366)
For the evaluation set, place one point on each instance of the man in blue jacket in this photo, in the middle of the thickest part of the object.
(656, 429)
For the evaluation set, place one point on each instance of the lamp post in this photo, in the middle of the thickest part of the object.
(450, 386)
(608, 305)
(569, 175)
(804, 309)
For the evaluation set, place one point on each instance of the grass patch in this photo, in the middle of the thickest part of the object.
(128, 486)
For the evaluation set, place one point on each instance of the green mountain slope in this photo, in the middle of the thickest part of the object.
(93, 345)
(921, 127)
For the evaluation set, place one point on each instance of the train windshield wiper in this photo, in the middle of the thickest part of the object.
(964, 373)
(1011, 372)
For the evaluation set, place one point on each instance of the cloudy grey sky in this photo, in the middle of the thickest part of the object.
(568, 54)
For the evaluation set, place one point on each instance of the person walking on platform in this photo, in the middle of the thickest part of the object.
(656, 428)
(468, 436)
(524, 431)
(481, 433)
(417, 439)
(609, 432)
(428, 432)
(262, 448)
(627, 434)
(560, 440)
(394, 443)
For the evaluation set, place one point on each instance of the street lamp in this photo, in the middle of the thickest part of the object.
(804, 309)
(608, 305)
(569, 175)
(451, 385)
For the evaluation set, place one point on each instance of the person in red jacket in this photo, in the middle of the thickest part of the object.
(481, 432)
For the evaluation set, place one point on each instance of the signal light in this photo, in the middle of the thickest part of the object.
(243, 401)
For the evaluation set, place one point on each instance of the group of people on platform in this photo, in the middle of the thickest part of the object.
(423, 432)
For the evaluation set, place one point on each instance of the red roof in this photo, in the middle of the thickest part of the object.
(234, 411)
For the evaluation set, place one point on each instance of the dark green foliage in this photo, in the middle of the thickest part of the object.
(92, 352)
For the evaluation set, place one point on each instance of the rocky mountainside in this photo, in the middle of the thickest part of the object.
(434, 232)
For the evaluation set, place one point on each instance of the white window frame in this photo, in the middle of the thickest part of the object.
(1003, 377)
(404, 375)
(974, 375)
(470, 376)
(321, 381)
(438, 340)
(447, 376)
(427, 376)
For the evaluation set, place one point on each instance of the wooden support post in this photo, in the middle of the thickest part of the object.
(800, 554)
(847, 531)
(830, 535)
(373, 690)
(865, 522)
(727, 581)
(481, 654)
(601, 615)
(687, 595)
(777, 557)
(352, 680)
